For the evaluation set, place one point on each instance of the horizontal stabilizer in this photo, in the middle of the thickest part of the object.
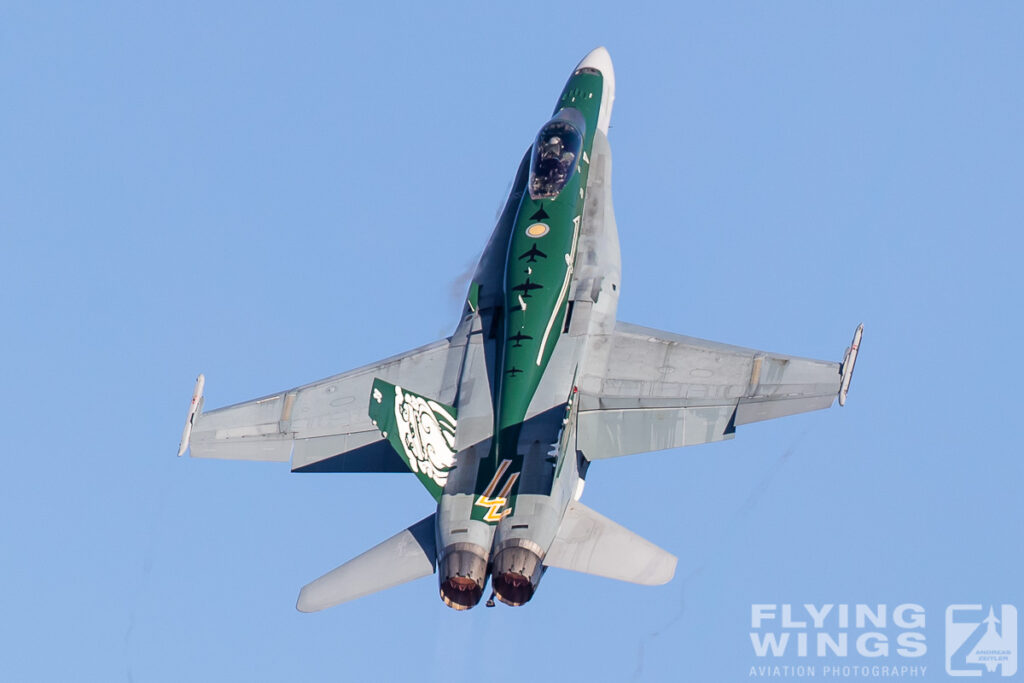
(402, 558)
(593, 544)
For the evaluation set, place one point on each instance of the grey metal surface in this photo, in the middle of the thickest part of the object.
(516, 570)
(593, 544)
(662, 390)
(462, 573)
(616, 432)
(321, 420)
(408, 555)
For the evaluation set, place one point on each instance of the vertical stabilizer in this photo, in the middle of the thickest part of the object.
(421, 430)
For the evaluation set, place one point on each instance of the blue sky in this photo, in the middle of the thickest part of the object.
(273, 194)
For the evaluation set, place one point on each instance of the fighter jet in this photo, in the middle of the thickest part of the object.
(501, 420)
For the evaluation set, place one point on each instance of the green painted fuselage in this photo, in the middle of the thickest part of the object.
(538, 273)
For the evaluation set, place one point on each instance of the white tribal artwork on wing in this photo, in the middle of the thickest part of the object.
(427, 433)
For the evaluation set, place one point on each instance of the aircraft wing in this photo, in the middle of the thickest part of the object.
(323, 426)
(662, 390)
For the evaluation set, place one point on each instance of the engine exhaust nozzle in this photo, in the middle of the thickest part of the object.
(516, 571)
(462, 572)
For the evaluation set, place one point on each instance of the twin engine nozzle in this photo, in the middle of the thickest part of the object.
(515, 571)
(462, 570)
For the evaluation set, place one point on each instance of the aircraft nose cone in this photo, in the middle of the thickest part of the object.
(599, 59)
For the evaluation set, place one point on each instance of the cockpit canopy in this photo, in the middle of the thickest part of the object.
(555, 154)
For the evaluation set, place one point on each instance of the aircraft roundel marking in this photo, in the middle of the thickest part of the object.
(537, 230)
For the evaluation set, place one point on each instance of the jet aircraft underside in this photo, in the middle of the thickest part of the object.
(501, 420)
